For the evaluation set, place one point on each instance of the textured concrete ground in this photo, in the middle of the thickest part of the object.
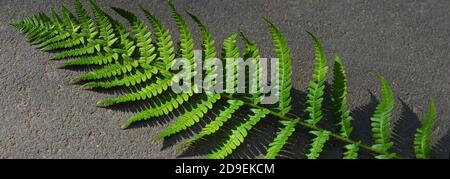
(42, 116)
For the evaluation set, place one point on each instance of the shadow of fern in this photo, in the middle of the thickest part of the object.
(361, 120)
(441, 149)
(404, 130)
(83, 69)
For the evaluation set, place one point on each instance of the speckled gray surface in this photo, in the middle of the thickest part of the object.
(42, 116)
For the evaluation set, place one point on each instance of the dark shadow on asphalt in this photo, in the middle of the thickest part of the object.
(361, 120)
(441, 149)
(404, 130)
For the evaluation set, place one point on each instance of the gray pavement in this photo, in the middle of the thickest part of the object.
(42, 116)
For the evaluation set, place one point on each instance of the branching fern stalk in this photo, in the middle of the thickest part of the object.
(142, 59)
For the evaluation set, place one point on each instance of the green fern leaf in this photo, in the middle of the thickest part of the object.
(69, 19)
(186, 41)
(98, 59)
(339, 98)
(147, 92)
(105, 25)
(164, 42)
(39, 29)
(340, 106)
(129, 80)
(230, 51)
(422, 139)
(47, 29)
(65, 44)
(238, 135)
(88, 27)
(317, 85)
(318, 143)
(352, 151)
(381, 121)
(217, 122)
(144, 71)
(88, 49)
(108, 71)
(284, 70)
(251, 51)
(59, 28)
(166, 105)
(281, 138)
(208, 53)
(72, 27)
(189, 118)
(141, 34)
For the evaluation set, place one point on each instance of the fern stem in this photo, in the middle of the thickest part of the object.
(313, 127)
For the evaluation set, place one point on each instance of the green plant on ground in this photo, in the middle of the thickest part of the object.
(142, 59)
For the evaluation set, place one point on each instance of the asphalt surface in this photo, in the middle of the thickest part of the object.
(42, 116)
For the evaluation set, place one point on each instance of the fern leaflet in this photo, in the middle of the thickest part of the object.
(422, 139)
(284, 69)
(317, 85)
(281, 138)
(381, 121)
(238, 135)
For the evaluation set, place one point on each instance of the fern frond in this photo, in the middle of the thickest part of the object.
(318, 143)
(105, 25)
(284, 70)
(189, 118)
(141, 34)
(64, 44)
(186, 41)
(230, 54)
(208, 45)
(46, 30)
(164, 41)
(62, 33)
(209, 54)
(88, 27)
(237, 136)
(129, 80)
(166, 105)
(422, 138)
(281, 138)
(88, 49)
(58, 38)
(340, 108)
(98, 59)
(66, 40)
(352, 151)
(381, 119)
(339, 98)
(316, 86)
(251, 52)
(147, 92)
(108, 71)
(69, 19)
(36, 28)
(217, 122)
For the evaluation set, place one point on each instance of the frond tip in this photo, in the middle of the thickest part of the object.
(381, 119)
(284, 69)
(422, 139)
(316, 87)
(340, 108)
